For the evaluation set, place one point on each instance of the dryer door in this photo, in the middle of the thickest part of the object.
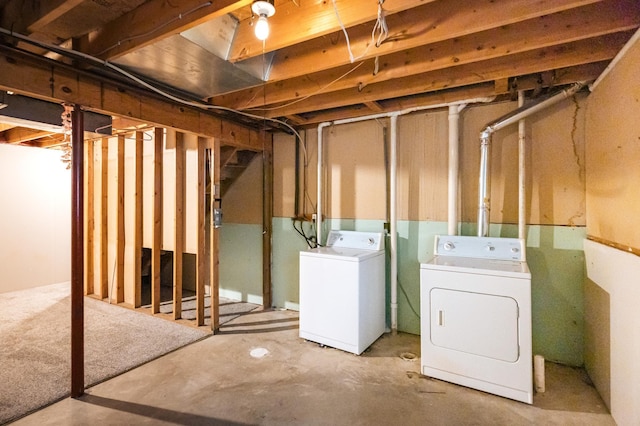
(476, 323)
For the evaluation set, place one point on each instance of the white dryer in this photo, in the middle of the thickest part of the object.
(475, 299)
(342, 291)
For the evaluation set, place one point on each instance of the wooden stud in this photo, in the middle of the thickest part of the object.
(137, 239)
(201, 251)
(178, 241)
(120, 235)
(104, 219)
(156, 249)
(215, 241)
(91, 220)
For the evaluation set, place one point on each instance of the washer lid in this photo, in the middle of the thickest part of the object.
(472, 265)
(342, 253)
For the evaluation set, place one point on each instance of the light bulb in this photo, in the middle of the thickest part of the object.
(262, 28)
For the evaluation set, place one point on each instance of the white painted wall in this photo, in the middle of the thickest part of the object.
(35, 218)
(617, 273)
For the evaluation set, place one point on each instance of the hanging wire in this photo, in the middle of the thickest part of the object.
(379, 27)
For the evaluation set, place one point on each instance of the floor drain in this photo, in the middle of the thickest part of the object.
(258, 352)
(408, 356)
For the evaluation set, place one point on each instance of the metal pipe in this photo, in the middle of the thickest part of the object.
(452, 193)
(319, 200)
(522, 203)
(484, 185)
(393, 223)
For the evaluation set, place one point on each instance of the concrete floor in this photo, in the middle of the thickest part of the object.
(257, 371)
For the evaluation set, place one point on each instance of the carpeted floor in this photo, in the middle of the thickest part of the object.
(35, 343)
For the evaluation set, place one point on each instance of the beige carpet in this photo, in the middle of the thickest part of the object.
(35, 344)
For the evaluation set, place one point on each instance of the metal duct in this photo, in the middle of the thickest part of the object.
(484, 184)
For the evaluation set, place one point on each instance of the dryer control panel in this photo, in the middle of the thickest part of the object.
(480, 247)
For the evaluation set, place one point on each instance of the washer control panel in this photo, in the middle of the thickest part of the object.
(356, 240)
(479, 247)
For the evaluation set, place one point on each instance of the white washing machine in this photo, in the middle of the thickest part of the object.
(475, 297)
(342, 291)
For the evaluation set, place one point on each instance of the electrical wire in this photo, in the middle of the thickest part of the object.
(380, 26)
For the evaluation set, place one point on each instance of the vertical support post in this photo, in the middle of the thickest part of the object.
(215, 240)
(393, 222)
(104, 219)
(120, 223)
(137, 237)
(90, 206)
(267, 217)
(77, 254)
(156, 250)
(202, 218)
(178, 241)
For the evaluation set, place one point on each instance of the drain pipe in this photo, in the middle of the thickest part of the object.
(522, 202)
(393, 225)
(454, 149)
(484, 183)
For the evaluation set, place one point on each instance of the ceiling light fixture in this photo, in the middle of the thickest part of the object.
(264, 10)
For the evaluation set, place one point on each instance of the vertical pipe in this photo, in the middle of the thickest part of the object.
(393, 225)
(319, 201)
(77, 254)
(454, 136)
(522, 206)
(484, 184)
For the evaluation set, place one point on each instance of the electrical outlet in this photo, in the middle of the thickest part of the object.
(313, 217)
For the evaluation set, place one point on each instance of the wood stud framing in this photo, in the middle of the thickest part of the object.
(156, 249)
(120, 236)
(201, 217)
(104, 216)
(137, 239)
(214, 261)
(90, 219)
(178, 236)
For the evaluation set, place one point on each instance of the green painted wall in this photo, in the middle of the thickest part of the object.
(241, 262)
(554, 255)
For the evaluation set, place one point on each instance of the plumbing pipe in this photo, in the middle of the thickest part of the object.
(484, 184)
(393, 183)
(633, 40)
(522, 203)
(454, 139)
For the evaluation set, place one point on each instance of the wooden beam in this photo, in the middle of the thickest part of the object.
(552, 30)
(137, 236)
(577, 53)
(21, 134)
(373, 106)
(214, 263)
(104, 219)
(48, 12)
(55, 82)
(430, 23)
(156, 249)
(201, 218)
(152, 21)
(178, 229)
(120, 230)
(90, 218)
(296, 22)
(77, 254)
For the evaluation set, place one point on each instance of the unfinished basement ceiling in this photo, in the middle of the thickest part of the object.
(435, 50)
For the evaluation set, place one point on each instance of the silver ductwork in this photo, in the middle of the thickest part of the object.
(484, 183)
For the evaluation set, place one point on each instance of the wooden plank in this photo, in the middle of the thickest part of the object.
(90, 219)
(56, 82)
(137, 238)
(291, 23)
(201, 250)
(178, 229)
(156, 249)
(572, 54)
(104, 219)
(576, 24)
(77, 254)
(267, 219)
(120, 234)
(49, 11)
(214, 263)
(430, 23)
(153, 21)
(22, 134)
